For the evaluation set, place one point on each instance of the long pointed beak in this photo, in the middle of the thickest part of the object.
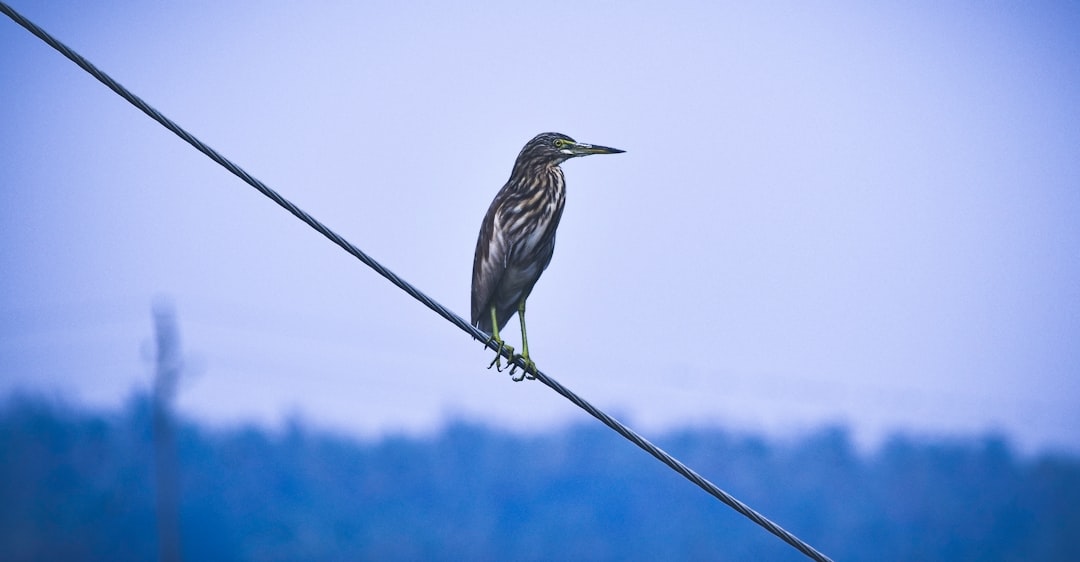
(582, 149)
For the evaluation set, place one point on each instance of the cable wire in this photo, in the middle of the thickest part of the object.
(439, 309)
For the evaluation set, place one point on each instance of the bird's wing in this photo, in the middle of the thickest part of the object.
(489, 265)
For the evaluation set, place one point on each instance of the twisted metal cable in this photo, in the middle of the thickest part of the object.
(614, 424)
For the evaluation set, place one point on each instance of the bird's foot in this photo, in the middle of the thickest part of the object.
(497, 362)
(529, 372)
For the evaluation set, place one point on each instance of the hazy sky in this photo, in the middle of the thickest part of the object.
(857, 212)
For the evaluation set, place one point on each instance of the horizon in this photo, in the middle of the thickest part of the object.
(295, 420)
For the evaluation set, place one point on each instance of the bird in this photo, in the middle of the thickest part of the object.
(517, 239)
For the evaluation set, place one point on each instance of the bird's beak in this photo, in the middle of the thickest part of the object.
(582, 149)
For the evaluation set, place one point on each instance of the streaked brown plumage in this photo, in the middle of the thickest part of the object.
(517, 237)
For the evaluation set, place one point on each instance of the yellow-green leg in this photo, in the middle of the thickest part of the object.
(497, 362)
(530, 367)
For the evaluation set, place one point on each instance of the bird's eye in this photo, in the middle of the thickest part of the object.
(559, 143)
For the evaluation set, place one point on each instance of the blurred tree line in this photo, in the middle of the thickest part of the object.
(78, 485)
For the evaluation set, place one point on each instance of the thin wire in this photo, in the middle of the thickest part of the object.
(614, 424)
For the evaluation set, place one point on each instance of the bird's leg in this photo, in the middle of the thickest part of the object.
(530, 367)
(497, 362)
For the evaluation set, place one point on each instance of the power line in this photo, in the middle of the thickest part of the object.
(614, 424)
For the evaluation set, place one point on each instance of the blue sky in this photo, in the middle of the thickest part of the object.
(849, 212)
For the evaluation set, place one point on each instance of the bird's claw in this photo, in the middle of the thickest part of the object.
(529, 372)
(497, 362)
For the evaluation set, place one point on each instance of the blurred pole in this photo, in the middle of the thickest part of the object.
(168, 360)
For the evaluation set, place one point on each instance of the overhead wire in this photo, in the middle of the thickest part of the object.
(439, 309)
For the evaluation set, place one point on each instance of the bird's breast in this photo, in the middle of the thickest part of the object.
(533, 224)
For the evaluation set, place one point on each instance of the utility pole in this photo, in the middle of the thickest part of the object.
(168, 368)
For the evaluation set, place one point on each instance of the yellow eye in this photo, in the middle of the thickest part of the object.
(559, 143)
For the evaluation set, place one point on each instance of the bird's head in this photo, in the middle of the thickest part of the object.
(556, 148)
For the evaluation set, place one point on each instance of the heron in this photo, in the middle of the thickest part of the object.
(517, 239)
